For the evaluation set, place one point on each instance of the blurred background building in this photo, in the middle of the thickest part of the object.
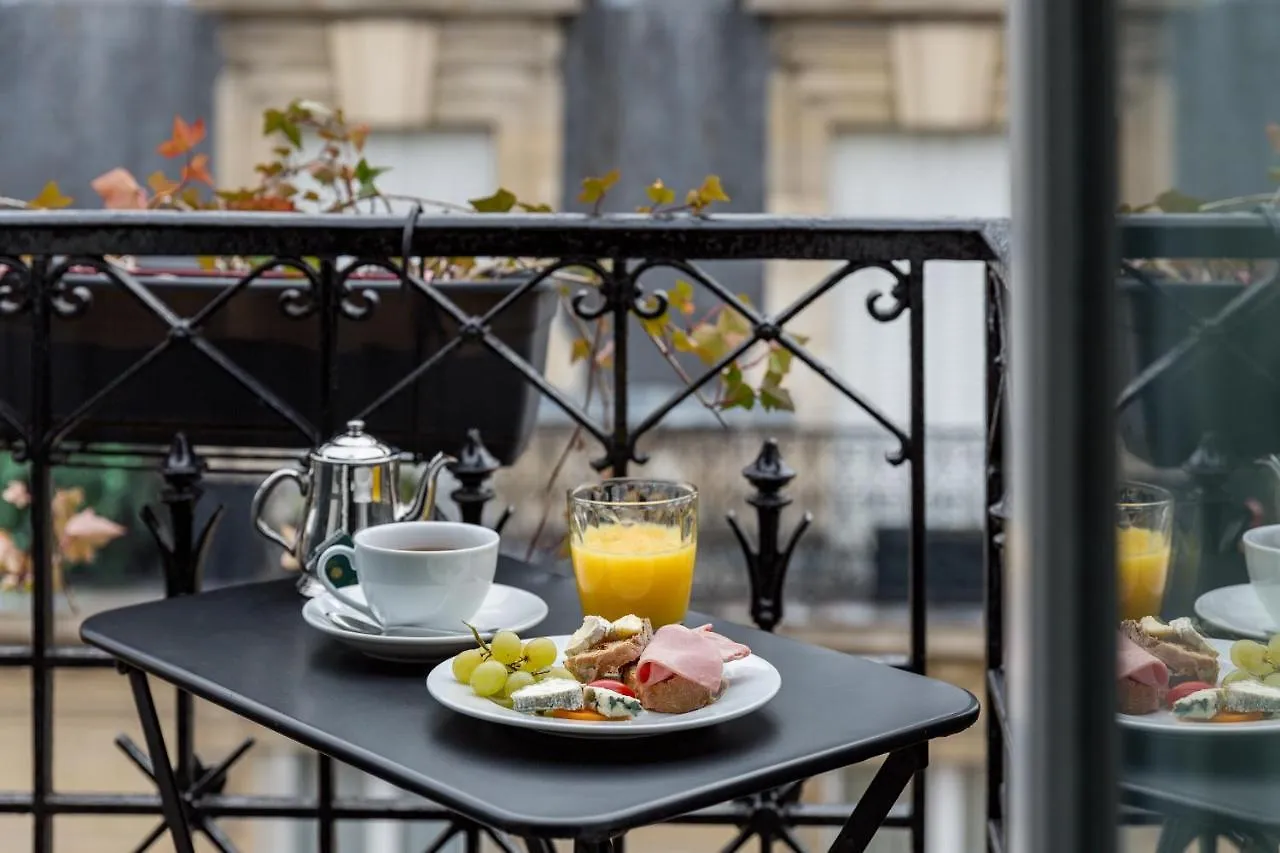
(861, 108)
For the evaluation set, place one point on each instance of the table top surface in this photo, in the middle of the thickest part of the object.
(248, 649)
(1231, 778)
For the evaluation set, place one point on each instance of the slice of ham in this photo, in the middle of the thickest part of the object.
(729, 650)
(678, 651)
(1136, 663)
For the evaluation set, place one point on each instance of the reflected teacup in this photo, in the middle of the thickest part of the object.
(418, 574)
(1262, 557)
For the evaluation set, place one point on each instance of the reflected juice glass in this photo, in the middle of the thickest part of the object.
(633, 544)
(1144, 537)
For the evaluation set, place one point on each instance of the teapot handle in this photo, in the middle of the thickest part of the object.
(260, 498)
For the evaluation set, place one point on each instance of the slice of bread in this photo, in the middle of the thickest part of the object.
(1138, 698)
(1184, 663)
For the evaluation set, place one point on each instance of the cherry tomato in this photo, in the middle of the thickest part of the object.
(615, 686)
(583, 716)
(1186, 689)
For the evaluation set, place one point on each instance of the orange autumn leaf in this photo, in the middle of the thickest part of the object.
(197, 170)
(160, 184)
(185, 137)
(119, 190)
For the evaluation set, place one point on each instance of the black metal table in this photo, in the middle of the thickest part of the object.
(1207, 787)
(247, 649)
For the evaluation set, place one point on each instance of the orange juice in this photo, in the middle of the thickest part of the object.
(1142, 564)
(643, 569)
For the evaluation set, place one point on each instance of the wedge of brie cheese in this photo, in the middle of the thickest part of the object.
(594, 629)
(550, 695)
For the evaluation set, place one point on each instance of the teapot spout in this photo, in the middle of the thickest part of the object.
(424, 498)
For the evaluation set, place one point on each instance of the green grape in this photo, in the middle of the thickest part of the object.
(1273, 651)
(1272, 680)
(540, 653)
(1251, 656)
(515, 681)
(1239, 675)
(505, 647)
(559, 672)
(465, 663)
(489, 678)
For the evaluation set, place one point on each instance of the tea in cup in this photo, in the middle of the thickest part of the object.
(418, 574)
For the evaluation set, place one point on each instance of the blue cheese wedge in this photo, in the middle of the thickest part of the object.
(1201, 705)
(549, 695)
(612, 704)
(1245, 697)
(626, 627)
(593, 631)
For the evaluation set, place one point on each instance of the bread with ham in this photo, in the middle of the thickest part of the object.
(1143, 679)
(682, 669)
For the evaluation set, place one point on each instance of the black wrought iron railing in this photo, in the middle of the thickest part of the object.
(57, 269)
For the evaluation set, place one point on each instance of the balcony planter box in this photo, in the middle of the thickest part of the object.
(1212, 390)
(185, 390)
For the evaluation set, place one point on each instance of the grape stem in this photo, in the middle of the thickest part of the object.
(484, 647)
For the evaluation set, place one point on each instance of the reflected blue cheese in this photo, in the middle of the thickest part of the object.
(1245, 697)
(1201, 705)
(612, 704)
(550, 695)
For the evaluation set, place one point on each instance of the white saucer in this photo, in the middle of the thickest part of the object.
(752, 682)
(1164, 722)
(505, 606)
(1237, 610)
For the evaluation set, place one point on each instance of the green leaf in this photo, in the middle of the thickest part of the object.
(500, 202)
(367, 174)
(656, 326)
(581, 350)
(710, 343)
(659, 193)
(682, 342)
(774, 397)
(732, 323)
(1172, 201)
(780, 361)
(800, 339)
(534, 208)
(738, 396)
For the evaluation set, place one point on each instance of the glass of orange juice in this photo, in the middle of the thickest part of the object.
(633, 544)
(1144, 538)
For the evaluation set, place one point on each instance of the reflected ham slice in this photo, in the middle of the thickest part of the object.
(729, 650)
(678, 651)
(1137, 664)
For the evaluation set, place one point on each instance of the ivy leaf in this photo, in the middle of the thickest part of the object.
(780, 361)
(659, 193)
(119, 190)
(1172, 201)
(711, 190)
(367, 174)
(739, 396)
(709, 342)
(197, 169)
(682, 342)
(50, 198)
(594, 189)
(655, 326)
(534, 208)
(500, 202)
(160, 184)
(185, 137)
(358, 135)
(774, 397)
(800, 339)
(681, 296)
(581, 350)
(208, 263)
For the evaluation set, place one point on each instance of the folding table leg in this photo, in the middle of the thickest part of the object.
(175, 814)
(889, 783)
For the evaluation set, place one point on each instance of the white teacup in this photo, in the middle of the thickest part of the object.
(419, 574)
(1262, 556)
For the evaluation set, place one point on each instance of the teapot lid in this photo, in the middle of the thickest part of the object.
(355, 446)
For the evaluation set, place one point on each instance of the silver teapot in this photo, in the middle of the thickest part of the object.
(351, 483)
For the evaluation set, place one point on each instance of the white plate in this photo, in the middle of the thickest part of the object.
(1237, 610)
(504, 606)
(1164, 722)
(753, 681)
